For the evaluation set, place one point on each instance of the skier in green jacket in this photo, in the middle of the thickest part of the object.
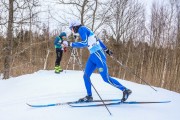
(58, 41)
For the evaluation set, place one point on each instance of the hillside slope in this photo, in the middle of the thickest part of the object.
(45, 87)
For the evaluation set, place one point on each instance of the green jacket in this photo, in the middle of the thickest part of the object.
(57, 42)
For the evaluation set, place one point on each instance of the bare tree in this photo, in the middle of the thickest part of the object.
(32, 4)
(125, 16)
(178, 19)
(78, 6)
(92, 13)
(17, 10)
(163, 60)
(177, 69)
(9, 39)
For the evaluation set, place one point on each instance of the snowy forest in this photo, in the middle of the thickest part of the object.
(148, 44)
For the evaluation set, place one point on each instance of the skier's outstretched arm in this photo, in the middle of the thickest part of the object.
(109, 52)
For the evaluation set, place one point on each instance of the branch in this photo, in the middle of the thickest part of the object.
(5, 4)
(20, 6)
(3, 23)
(27, 18)
(68, 3)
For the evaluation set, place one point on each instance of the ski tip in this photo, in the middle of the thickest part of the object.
(70, 105)
(165, 101)
(28, 104)
(136, 102)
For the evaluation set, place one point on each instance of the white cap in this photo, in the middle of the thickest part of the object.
(73, 23)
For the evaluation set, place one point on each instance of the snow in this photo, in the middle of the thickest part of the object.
(45, 87)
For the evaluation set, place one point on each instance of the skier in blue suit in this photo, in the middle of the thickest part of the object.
(96, 60)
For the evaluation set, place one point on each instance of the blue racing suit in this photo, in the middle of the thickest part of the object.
(97, 59)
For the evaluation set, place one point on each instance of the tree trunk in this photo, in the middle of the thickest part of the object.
(8, 43)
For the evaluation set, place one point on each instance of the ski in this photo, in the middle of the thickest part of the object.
(114, 103)
(72, 102)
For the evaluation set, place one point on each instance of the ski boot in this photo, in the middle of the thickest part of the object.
(86, 99)
(126, 93)
(60, 69)
(57, 70)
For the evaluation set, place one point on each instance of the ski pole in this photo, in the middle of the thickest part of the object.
(98, 95)
(130, 71)
(95, 90)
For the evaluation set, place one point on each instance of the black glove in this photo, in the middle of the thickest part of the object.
(75, 36)
(109, 52)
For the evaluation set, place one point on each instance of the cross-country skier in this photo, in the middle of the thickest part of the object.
(97, 59)
(59, 51)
